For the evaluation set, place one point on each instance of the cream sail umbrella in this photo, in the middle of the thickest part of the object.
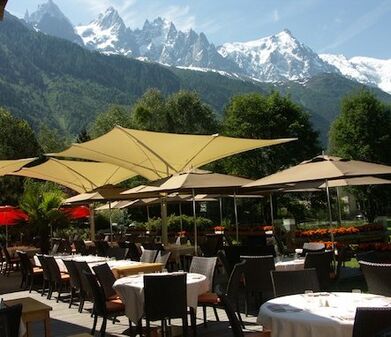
(156, 155)
(199, 181)
(321, 169)
(9, 166)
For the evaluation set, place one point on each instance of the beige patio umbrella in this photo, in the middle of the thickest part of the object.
(104, 193)
(8, 166)
(199, 181)
(321, 169)
(156, 155)
(80, 176)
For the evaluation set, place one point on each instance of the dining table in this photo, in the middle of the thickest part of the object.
(130, 289)
(289, 263)
(316, 314)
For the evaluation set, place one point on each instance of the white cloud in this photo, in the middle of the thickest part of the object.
(360, 25)
(180, 16)
(276, 16)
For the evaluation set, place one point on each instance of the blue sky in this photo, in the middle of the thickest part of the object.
(349, 27)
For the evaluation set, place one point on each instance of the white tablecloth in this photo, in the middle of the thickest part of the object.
(290, 264)
(131, 291)
(316, 315)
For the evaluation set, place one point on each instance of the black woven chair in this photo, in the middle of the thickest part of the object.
(102, 307)
(85, 288)
(117, 253)
(80, 247)
(212, 244)
(10, 262)
(106, 279)
(101, 248)
(46, 280)
(74, 280)
(370, 322)
(23, 270)
(58, 281)
(171, 290)
(294, 281)
(258, 280)
(32, 274)
(224, 261)
(322, 262)
(134, 252)
(236, 326)
(10, 320)
(378, 277)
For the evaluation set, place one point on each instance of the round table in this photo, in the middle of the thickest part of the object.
(289, 263)
(131, 291)
(316, 315)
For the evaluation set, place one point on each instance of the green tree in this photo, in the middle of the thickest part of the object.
(107, 120)
(83, 136)
(17, 140)
(363, 129)
(272, 116)
(50, 140)
(363, 132)
(41, 202)
(182, 112)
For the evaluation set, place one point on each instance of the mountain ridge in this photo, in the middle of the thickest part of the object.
(275, 58)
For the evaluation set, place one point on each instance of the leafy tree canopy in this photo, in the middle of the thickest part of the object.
(181, 112)
(268, 116)
(363, 129)
(51, 140)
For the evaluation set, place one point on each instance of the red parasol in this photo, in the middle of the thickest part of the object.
(10, 215)
(76, 212)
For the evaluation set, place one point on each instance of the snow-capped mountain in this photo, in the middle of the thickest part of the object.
(280, 57)
(49, 19)
(365, 70)
(276, 58)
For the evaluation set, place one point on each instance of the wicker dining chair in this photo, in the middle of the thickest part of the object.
(322, 262)
(148, 255)
(85, 288)
(74, 280)
(163, 257)
(59, 280)
(10, 320)
(32, 274)
(106, 279)
(293, 282)
(369, 322)
(377, 277)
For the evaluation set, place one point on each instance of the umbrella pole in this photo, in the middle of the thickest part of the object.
(236, 218)
(148, 217)
(92, 222)
(271, 209)
(331, 222)
(221, 210)
(164, 219)
(6, 236)
(339, 206)
(111, 224)
(195, 223)
(180, 216)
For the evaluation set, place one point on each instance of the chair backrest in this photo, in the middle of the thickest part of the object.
(117, 252)
(148, 255)
(322, 262)
(294, 281)
(205, 266)
(54, 269)
(74, 277)
(233, 319)
(97, 294)
(261, 250)
(65, 247)
(80, 247)
(101, 247)
(10, 320)
(25, 263)
(106, 279)
(212, 244)
(169, 289)
(45, 267)
(235, 281)
(257, 273)
(223, 259)
(370, 322)
(133, 251)
(84, 284)
(152, 246)
(55, 247)
(7, 254)
(378, 277)
(163, 257)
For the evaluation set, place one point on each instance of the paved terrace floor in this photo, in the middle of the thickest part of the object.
(68, 321)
